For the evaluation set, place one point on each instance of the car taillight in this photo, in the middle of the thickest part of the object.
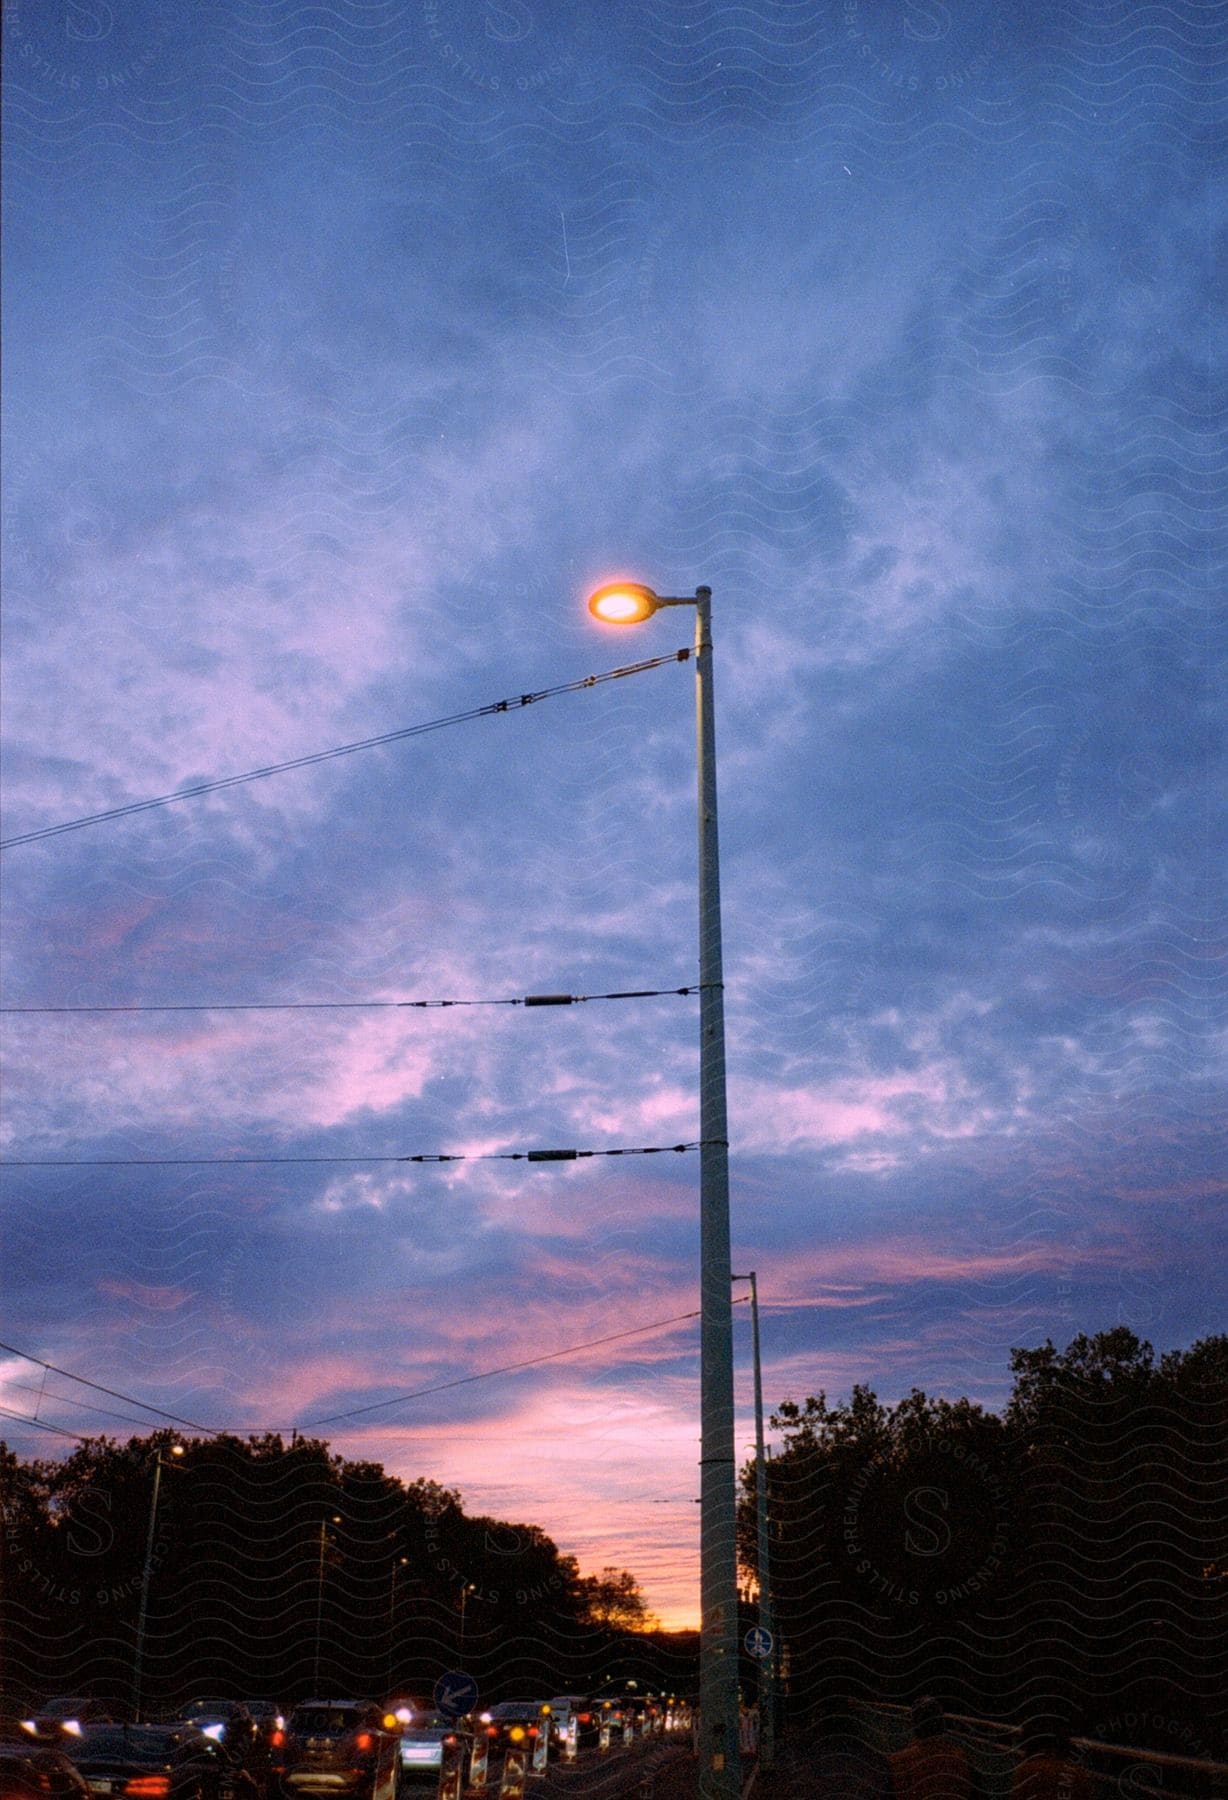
(278, 1739)
(148, 1787)
(585, 1718)
(363, 1741)
(533, 1731)
(492, 1731)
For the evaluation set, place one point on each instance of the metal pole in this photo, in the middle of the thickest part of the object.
(392, 1624)
(139, 1659)
(767, 1697)
(719, 1765)
(315, 1679)
(392, 1629)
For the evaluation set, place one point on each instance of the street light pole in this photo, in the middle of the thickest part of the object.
(138, 1661)
(467, 1587)
(397, 1566)
(719, 1767)
(767, 1693)
(324, 1523)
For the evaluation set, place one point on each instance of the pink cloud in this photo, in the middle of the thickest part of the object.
(155, 1299)
(373, 1066)
(935, 1099)
(905, 1259)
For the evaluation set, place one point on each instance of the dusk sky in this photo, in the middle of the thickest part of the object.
(349, 346)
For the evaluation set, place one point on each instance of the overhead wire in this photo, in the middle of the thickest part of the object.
(219, 785)
(400, 735)
(355, 1412)
(506, 1369)
(112, 1393)
(532, 1000)
(25, 1419)
(104, 1412)
(423, 1157)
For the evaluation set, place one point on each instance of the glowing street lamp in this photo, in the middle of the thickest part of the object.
(629, 603)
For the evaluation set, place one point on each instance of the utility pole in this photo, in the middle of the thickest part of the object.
(767, 1685)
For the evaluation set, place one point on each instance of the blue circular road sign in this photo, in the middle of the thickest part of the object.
(759, 1642)
(455, 1694)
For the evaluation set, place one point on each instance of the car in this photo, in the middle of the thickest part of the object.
(226, 1721)
(206, 1714)
(514, 1722)
(423, 1735)
(33, 1770)
(338, 1747)
(230, 1724)
(63, 1716)
(576, 1713)
(405, 1708)
(269, 1717)
(627, 1705)
(150, 1762)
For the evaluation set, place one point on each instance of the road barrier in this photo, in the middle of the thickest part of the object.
(479, 1760)
(1115, 1769)
(511, 1782)
(541, 1748)
(451, 1764)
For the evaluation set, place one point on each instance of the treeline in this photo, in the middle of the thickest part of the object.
(281, 1570)
(1069, 1556)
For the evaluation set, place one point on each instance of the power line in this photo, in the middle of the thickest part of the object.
(104, 1412)
(356, 1412)
(42, 1425)
(181, 1162)
(113, 1393)
(507, 1369)
(352, 1005)
(303, 762)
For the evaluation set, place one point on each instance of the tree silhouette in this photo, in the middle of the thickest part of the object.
(1072, 1553)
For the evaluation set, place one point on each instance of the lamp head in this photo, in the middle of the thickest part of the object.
(623, 603)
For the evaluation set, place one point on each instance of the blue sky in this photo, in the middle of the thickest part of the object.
(348, 347)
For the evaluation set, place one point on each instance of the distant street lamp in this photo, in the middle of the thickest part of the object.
(138, 1661)
(629, 603)
(334, 1519)
(767, 1686)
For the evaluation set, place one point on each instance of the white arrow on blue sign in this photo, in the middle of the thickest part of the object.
(759, 1642)
(455, 1694)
